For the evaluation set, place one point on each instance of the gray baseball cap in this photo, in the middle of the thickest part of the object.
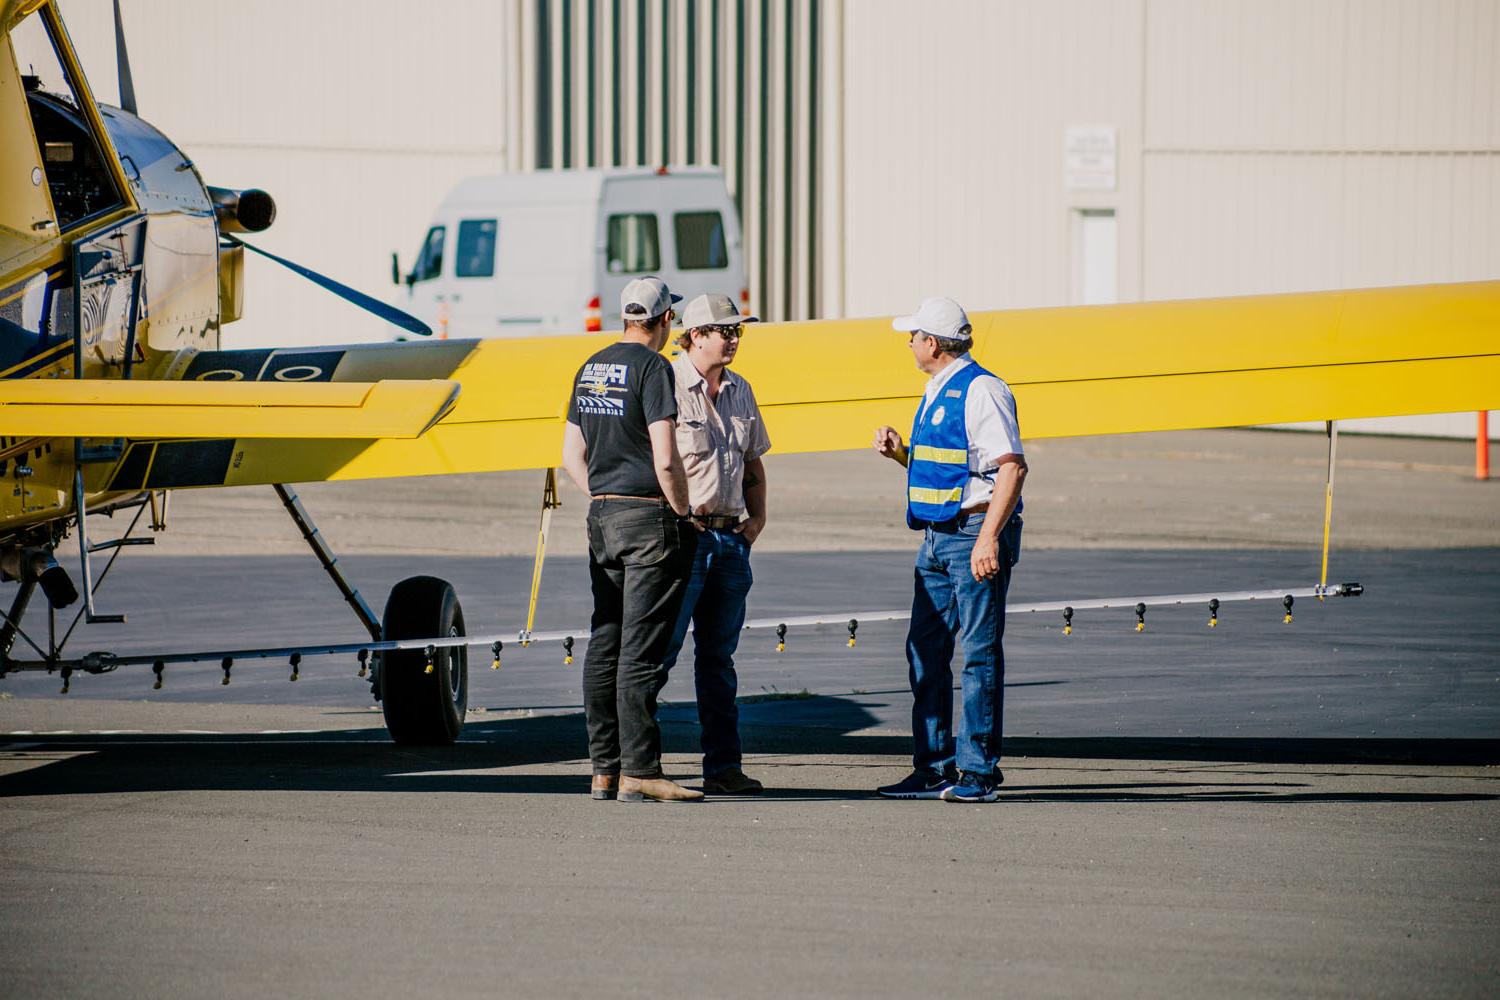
(713, 309)
(646, 298)
(936, 317)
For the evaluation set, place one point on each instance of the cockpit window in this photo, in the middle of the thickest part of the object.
(37, 60)
(78, 179)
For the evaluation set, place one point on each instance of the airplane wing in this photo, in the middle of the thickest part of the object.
(824, 386)
(268, 410)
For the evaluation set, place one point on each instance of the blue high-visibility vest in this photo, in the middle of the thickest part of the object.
(937, 465)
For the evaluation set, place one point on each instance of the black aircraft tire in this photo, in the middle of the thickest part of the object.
(420, 708)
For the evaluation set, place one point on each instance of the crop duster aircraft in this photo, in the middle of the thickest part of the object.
(119, 268)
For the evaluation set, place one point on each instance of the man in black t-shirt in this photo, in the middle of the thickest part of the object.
(619, 447)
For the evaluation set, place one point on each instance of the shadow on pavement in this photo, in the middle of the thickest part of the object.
(364, 759)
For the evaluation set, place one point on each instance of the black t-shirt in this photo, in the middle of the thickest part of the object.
(617, 394)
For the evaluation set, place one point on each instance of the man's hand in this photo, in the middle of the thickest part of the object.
(888, 443)
(751, 528)
(984, 561)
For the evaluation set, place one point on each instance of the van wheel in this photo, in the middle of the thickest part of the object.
(424, 708)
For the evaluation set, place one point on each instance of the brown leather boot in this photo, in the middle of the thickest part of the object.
(659, 789)
(605, 786)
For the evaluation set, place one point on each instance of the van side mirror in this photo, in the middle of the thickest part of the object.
(395, 269)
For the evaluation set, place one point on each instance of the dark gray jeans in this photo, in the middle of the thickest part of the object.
(640, 560)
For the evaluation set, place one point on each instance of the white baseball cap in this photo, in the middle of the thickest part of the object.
(936, 317)
(713, 309)
(646, 298)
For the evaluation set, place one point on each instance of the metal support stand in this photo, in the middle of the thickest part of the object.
(325, 556)
(84, 549)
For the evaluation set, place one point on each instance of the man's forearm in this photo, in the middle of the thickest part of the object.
(673, 481)
(575, 458)
(755, 489)
(1008, 480)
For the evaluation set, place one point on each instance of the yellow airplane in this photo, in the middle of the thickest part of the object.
(119, 267)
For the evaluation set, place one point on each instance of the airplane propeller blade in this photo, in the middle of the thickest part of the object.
(122, 59)
(389, 313)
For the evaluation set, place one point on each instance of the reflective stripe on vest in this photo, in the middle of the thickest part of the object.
(938, 460)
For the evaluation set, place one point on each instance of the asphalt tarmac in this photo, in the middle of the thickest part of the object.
(1258, 809)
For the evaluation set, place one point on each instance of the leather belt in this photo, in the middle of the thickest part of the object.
(718, 522)
(659, 501)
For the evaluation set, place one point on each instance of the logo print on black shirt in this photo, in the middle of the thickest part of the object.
(596, 382)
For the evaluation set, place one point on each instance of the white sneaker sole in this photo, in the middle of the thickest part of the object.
(936, 793)
(950, 795)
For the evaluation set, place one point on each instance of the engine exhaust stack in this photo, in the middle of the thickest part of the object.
(38, 566)
(247, 211)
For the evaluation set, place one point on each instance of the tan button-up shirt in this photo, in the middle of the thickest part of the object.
(716, 438)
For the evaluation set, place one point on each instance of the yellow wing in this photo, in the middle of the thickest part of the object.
(825, 386)
(156, 409)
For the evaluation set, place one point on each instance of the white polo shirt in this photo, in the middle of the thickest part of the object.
(990, 420)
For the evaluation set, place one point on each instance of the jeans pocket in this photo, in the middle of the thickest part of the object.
(640, 537)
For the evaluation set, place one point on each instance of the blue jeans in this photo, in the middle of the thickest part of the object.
(715, 604)
(948, 605)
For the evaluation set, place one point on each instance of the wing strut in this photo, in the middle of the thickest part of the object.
(550, 502)
(329, 561)
(1332, 429)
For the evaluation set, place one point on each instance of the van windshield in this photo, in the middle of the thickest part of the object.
(631, 246)
(700, 241)
(476, 249)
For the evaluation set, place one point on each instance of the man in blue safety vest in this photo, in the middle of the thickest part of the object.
(964, 470)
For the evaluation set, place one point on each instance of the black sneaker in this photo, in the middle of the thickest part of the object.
(973, 787)
(920, 784)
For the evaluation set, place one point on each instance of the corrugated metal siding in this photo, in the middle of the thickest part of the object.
(730, 83)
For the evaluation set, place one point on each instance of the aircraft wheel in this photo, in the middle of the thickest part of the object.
(420, 707)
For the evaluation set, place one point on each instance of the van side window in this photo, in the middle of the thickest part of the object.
(700, 241)
(632, 247)
(476, 248)
(430, 261)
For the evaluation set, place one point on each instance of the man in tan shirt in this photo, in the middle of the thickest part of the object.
(721, 437)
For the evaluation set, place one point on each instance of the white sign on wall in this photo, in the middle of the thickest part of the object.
(1089, 158)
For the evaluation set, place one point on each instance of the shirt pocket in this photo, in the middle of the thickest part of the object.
(693, 438)
(744, 431)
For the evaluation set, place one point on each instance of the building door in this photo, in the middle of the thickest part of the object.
(1095, 256)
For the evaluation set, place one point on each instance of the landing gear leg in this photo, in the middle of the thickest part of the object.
(330, 563)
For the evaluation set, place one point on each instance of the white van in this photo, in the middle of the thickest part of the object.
(516, 255)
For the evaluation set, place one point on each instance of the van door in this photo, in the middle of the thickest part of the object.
(702, 254)
(472, 296)
(424, 280)
(631, 242)
(681, 228)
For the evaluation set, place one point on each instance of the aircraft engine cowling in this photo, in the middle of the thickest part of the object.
(247, 211)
